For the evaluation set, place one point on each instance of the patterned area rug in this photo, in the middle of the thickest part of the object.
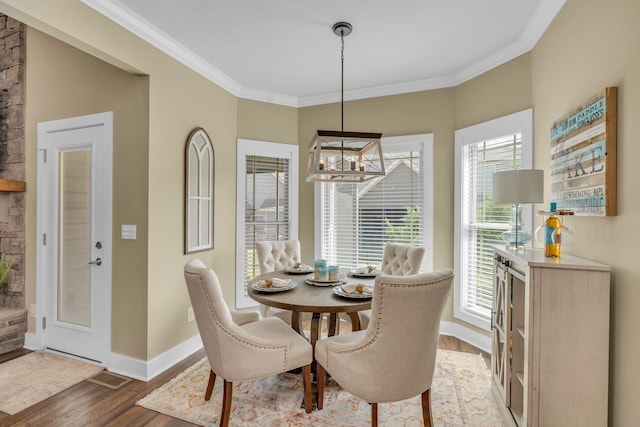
(460, 396)
(28, 379)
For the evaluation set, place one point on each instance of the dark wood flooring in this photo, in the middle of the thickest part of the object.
(89, 404)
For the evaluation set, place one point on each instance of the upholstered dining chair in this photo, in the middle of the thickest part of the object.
(244, 352)
(394, 358)
(272, 256)
(397, 260)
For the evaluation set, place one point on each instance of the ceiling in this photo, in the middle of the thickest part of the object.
(285, 52)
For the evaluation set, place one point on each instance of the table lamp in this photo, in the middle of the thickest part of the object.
(517, 187)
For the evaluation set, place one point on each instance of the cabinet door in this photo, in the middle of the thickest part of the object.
(499, 332)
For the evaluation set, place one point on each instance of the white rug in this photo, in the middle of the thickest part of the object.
(28, 379)
(460, 396)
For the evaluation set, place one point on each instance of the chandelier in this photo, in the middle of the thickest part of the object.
(339, 156)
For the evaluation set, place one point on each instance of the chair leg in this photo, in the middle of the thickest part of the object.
(320, 378)
(374, 414)
(306, 378)
(426, 408)
(226, 403)
(212, 380)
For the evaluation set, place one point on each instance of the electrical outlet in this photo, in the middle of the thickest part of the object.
(190, 316)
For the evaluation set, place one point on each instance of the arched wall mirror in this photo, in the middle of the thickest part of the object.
(199, 180)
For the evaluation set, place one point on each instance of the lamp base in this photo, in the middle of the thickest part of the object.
(516, 237)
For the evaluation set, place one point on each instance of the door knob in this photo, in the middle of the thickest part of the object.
(97, 261)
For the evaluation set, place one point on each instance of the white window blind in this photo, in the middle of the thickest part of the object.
(480, 152)
(484, 222)
(358, 219)
(265, 188)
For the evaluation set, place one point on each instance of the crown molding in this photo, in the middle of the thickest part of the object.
(125, 17)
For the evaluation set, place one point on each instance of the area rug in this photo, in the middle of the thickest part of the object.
(28, 379)
(460, 396)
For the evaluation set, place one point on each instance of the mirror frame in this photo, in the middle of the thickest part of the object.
(199, 162)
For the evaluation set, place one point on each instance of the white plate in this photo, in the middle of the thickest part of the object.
(292, 284)
(310, 278)
(323, 284)
(354, 273)
(293, 270)
(339, 291)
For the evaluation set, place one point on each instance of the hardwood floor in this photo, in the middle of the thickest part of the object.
(89, 404)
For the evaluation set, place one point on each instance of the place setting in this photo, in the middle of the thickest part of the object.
(298, 268)
(354, 291)
(274, 285)
(369, 272)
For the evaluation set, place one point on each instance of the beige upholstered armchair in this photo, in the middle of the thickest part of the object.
(397, 260)
(394, 358)
(272, 256)
(243, 352)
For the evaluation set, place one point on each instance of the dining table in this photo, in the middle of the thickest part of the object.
(317, 298)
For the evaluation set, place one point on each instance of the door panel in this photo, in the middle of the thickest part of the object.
(74, 217)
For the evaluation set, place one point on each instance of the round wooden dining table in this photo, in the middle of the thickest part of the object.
(318, 300)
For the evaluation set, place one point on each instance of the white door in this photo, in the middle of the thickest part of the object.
(74, 233)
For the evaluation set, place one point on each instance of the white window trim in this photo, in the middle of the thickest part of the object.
(518, 122)
(398, 143)
(248, 147)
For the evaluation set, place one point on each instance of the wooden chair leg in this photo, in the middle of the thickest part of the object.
(212, 380)
(306, 379)
(426, 409)
(226, 403)
(320, 378)
(374, 414)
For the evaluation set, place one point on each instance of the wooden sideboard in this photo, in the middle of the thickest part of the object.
(550, 338)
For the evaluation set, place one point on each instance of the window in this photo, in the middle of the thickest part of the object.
(481, 150)
(355, 220)
(267, 194)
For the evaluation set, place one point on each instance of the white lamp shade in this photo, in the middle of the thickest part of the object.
(518, 186)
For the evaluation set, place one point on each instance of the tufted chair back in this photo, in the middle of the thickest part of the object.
(276, 255)
(401, 260)
(384, 363)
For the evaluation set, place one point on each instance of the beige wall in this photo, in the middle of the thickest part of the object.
(593, 44)
(261, 121)
(65, 82)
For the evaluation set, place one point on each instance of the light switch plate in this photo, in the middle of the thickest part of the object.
(128, 232)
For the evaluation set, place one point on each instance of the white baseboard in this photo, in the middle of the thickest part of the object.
(32, 342)
(147, 370)
(136, 368)
(467, 335)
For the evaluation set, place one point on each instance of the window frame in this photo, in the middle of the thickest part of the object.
(517, 122)
(249, 147)
(423, 142)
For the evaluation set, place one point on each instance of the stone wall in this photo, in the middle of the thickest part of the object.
(13, 316)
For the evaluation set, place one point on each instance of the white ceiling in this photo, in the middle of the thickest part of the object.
(284, 51)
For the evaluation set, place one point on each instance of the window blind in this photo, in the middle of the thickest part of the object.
(266, 213)
(483, 222)
(358, 219)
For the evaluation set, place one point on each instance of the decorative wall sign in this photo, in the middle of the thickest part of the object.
(583, 157)
(199, 184)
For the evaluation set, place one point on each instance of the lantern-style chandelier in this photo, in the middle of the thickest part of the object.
(339, 156)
